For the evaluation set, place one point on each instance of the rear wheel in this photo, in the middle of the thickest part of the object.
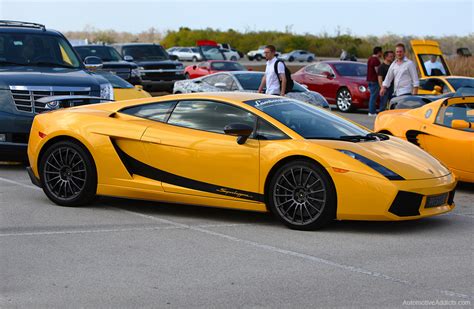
(258, 57)
(187, 76)
(310, 59)
(344, 100)
(291, 59)
(68, 174)
(233, 58)
(195, 59)
(302, 196)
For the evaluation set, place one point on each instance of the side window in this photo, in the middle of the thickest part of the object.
(447, 114)
(203, 65)
(155, 111)
(324, 67)
(213, 79)
(209, 116)
(303, 52)
(313, 69)
(266, 131)
(229, 82)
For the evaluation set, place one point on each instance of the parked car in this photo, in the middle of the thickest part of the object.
(112, 61)
(158, 71)
(37, 62)
(230, 54)
(227, 46)
(298, 55)
(415, 101)
(258, 54)
(443, 128)
(243, 81)
(123, 90)
(211, 67)
(341, 82)
(435, 73)
(188, 54)
(172, 49)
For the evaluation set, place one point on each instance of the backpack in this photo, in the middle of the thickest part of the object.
(289, 82)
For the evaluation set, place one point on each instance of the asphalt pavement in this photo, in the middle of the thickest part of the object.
(124, 254)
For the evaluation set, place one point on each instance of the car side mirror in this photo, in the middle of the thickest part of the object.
(128, 58)
(328, 75)
(93, 63)
(461, 124)
(194, 67)
(437, 90)
(220, 85)
(242, 131)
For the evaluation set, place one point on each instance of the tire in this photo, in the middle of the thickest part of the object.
(344, 100)
(68, 174)
(258, 57)
(291, 59)
(302, 196)
(233, 58)
(195, 59)
(310, 59)
(250, 58)
(187, 76)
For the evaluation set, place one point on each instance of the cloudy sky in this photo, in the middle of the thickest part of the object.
(359, 17)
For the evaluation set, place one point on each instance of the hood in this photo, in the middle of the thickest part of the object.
(402, 157)
(119, 64)
(40, 76)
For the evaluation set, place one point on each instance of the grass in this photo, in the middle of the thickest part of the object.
(462, 66)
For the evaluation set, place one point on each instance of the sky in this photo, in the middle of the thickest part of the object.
(358, 17)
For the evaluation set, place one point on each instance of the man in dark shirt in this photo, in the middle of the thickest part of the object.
(372, 66)
(388, 57)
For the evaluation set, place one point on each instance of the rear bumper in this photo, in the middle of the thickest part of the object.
(33, 178)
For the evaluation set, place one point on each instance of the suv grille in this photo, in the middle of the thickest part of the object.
(25, 97)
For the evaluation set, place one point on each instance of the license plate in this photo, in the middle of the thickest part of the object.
(436, 200)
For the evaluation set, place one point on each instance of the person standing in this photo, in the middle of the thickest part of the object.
(402, 73)
(388, 57)
(270, 79)
(372, 66)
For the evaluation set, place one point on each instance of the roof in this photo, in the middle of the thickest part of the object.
(134, 44)
(340, 61)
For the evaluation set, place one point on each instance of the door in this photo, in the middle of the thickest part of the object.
(312, 78)
(192, 155)
(429, 58)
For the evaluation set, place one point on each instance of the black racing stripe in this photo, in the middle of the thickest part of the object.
(136, 167)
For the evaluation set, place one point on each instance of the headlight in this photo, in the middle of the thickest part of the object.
(388, 173)
(136, 72)
(107, 91)
(180, 66)
(362, 89)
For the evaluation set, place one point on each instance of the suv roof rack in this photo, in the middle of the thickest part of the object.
(14, 23)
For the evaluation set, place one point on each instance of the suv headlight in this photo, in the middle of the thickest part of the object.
(107, 91)
(388, 173)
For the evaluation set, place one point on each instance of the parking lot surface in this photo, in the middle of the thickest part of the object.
(126, 253)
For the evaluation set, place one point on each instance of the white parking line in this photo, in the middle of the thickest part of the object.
(304, 256)
(19, 183)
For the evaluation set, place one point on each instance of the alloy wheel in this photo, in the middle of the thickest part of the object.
(344, 100)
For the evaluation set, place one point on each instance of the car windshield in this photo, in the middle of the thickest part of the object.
(116, 81)
(36, 50)
(227, 66)
(145, 52)
(351, 69)
(461, 82)
(106, 53)
(251, 81)
(307, 120)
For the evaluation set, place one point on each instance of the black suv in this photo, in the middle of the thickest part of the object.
(158, 71)
(36, 62)
(112, 61)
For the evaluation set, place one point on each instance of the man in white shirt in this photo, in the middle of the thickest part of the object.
(403, 73)
(433, 64)
(270, 79)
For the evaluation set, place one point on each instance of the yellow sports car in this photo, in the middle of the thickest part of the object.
(444, 128)
(436, 76)
(236, 150)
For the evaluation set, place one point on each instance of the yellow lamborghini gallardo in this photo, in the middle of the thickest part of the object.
(236, 150)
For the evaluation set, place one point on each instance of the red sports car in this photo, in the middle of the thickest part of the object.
(212, 66)
(341, 82)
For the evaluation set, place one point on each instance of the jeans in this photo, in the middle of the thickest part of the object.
(374, 89)
(386, 97)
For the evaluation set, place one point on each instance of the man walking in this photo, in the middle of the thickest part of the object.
(388, 57)
(403, 73)
(372, 66)
(270, 79)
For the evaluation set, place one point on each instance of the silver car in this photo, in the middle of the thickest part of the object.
(244, 81)
(188, 54)
(298, 55)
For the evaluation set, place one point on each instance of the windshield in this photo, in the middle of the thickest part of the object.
(227, 66)
(36, 50)
(351, 69)
(433, 65)
(307, 120)
(461, 82)
(251, 81)
(145, 52)
(106, 53)
(116, 81)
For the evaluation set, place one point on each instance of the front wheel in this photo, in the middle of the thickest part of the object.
(258, 57)
(302, 196)
(310, 59)
(233, 58)
(291, 59)
(187, 76)
(68, 174)
(344, 100)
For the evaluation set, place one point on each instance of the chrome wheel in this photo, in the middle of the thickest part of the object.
(299, 195)
(344, 100)
(65, 173)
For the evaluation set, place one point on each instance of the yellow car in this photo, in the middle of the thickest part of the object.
(444, 128)
(436, 76)
(236, 150)
(123, 90)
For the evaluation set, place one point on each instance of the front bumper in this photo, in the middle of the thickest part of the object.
(16, 152)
